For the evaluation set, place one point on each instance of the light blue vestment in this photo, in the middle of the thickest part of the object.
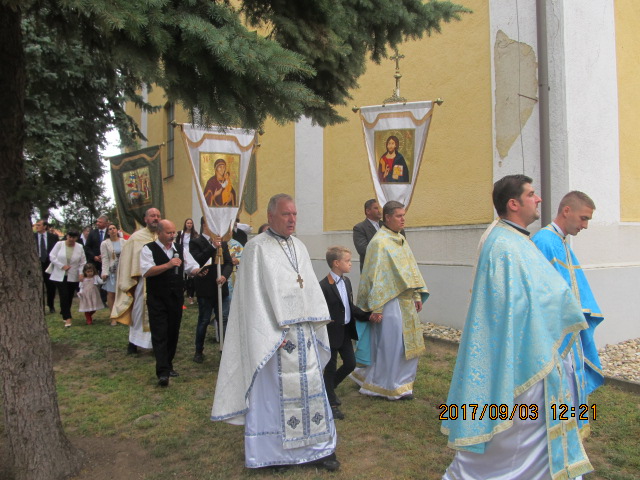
(520, 312)
(559, 253)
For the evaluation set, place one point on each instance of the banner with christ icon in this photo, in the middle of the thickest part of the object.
(137, 185)
(395, 136)
(220, 158)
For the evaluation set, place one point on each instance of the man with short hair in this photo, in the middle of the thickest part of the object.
(364, 231)
(163, 264)
(574, 212)
(393, 290)
(270, 376)
(511, 381)
(45, 241)
(204, 250)
(129, 307)
(92, 247)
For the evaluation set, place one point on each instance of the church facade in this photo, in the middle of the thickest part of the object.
(573, 128)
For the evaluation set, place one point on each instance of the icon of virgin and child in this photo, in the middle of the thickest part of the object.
(219, 191)
(392, 168)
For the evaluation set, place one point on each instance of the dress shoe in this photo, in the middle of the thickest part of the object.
(163, 381)
(331, 465)
(67, 323)
(132, 349)
(337, 401)
(173, 373)
(52, 310)
(198, 358)
(337, 414)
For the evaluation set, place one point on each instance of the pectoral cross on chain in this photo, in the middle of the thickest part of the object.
(300, 280)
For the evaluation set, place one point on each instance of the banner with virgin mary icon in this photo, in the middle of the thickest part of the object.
(395, 136)
(220, 158)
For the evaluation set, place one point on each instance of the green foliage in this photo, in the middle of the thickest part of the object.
(86, 58)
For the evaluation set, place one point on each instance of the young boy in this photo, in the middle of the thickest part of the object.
(342, 329)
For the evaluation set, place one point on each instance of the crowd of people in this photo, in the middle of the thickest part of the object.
(527, 346)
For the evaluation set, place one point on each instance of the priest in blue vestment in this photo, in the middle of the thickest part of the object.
(575, 211)
(511, 384)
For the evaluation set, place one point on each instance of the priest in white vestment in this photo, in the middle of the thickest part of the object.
(130, 307)
(270, 376)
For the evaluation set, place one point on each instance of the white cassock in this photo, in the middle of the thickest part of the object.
(270, 376)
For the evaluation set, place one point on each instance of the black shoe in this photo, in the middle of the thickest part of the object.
(337, 414)
(163, 381)
(337, 401)
(52, 310)
(173, 373)
(330, 465)
(132, 349)
(198, 358)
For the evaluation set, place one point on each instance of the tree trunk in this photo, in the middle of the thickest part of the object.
(37, 443)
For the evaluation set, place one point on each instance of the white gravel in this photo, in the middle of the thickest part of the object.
(621, 360)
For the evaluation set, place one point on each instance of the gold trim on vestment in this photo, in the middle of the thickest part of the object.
(407, 387)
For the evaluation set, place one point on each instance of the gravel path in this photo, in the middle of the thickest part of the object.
(621, 360)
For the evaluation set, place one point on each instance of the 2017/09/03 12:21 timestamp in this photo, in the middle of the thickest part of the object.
(563, 411)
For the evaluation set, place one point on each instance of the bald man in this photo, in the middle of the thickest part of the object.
(163, 265)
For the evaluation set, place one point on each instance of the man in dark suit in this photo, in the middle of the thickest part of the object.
(342, 328)
(203, 249)
(364, 231)
(92, 247)
(45, 240)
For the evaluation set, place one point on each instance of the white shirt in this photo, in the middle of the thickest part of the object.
(342, 289)
(146, 258)
(375, 224)
(558, 229)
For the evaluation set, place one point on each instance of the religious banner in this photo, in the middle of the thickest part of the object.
(395, 136)
(137, 185)
(220, 159)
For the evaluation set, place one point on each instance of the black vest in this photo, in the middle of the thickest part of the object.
(167, 282)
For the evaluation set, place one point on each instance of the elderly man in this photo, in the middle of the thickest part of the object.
(574, 213)
(270, 377)
(129, 307)
(364, 231)
(514, 410)
(392, 288)
(163, 264)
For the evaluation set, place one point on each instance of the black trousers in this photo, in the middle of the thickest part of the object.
(66, 290)
(333, 377)
(49, 286)
(165, 316)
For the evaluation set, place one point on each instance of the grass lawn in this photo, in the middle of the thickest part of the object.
(109, 400)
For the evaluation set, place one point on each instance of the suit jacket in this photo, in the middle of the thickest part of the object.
(52, 239)
(336, 328)
(363, 232)
(92, 247)
(201, 250)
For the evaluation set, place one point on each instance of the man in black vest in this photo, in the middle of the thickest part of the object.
(203, 249)
(163, 264)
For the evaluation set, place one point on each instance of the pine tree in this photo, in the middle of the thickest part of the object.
(83, 58)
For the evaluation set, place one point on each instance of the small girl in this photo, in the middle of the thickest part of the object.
(89, 294)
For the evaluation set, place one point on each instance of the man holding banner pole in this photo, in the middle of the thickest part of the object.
(211, 286)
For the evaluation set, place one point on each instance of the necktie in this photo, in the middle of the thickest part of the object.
(43, 249)
(101, 235)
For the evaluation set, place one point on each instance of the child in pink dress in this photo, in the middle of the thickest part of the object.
(89, 294)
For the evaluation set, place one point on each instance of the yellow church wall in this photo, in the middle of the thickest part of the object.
(275, 169)
(455, 177)
(627, 18)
